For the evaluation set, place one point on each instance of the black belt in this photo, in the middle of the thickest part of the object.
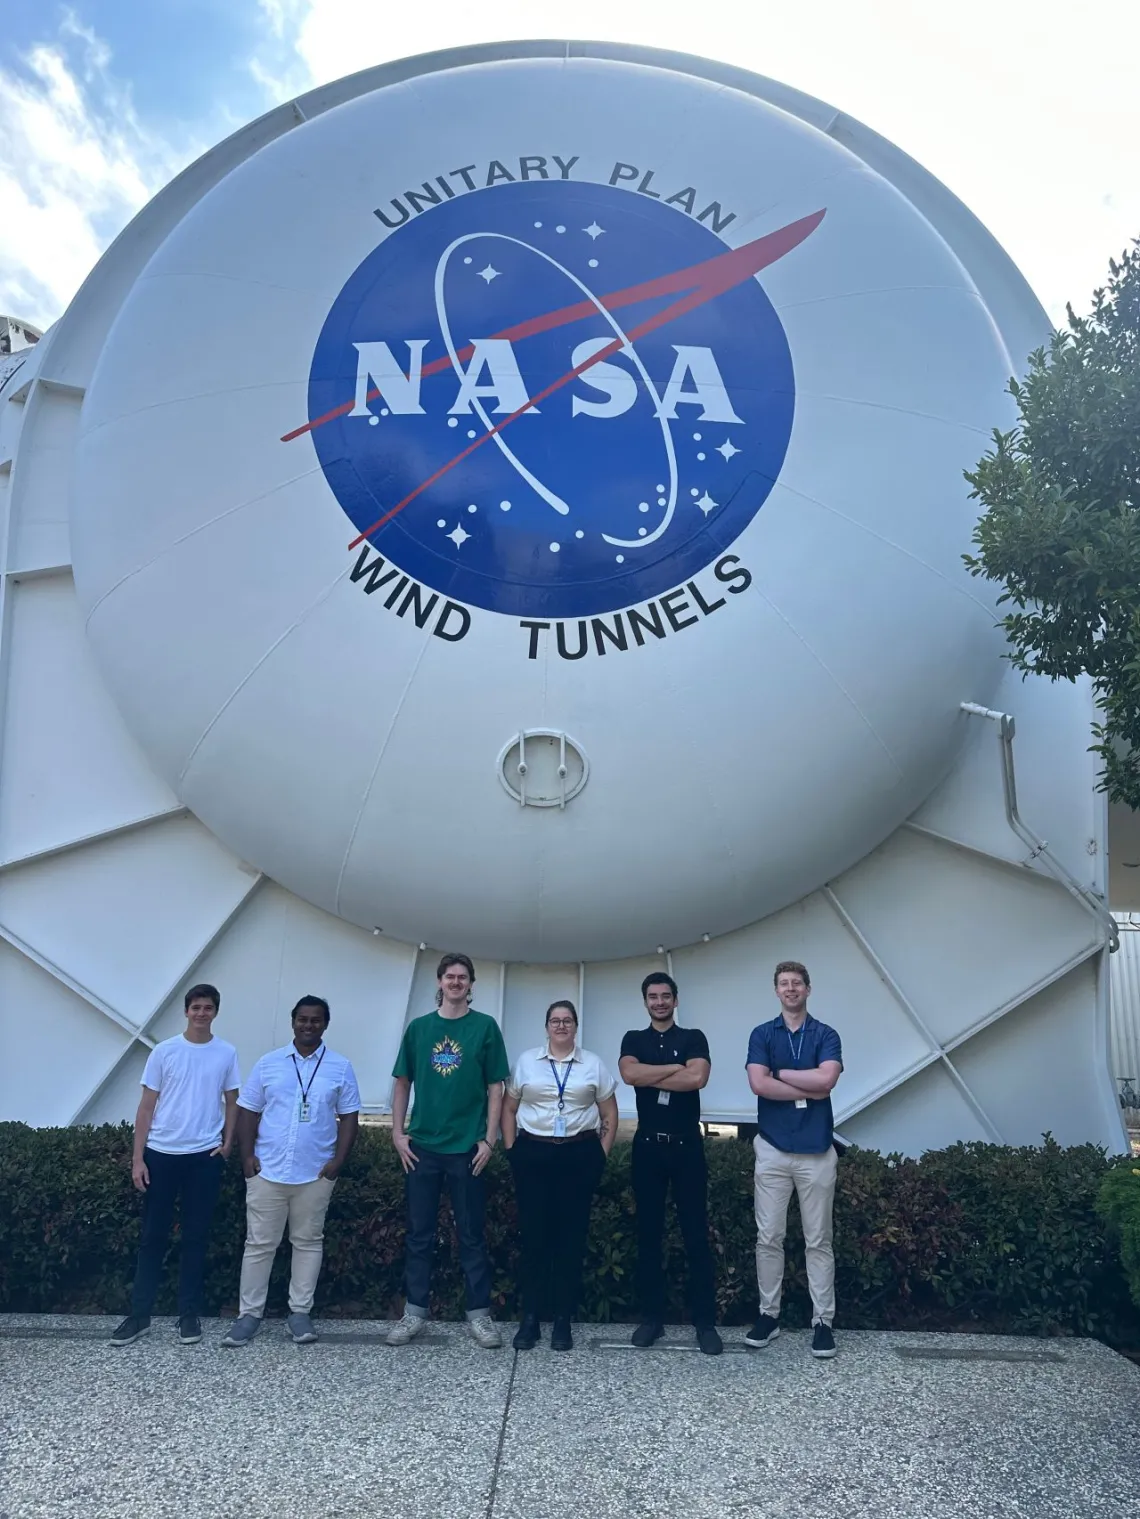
(555, 1139)
(665, 1138)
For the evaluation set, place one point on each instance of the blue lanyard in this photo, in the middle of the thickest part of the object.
(561, 1085)
(791, 1046)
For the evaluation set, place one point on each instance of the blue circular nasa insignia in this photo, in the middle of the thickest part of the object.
(565, 398)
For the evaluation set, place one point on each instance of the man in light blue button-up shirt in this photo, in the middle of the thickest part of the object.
(298, 1114)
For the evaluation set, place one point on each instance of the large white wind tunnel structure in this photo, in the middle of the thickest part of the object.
(233, 751)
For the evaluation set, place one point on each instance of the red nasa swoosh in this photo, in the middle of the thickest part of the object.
(703, 282)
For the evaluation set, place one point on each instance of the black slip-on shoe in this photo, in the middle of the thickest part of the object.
(560, 1336)
(763, 1332)
(529, 1332)
(709, 1341)
(133, 1327)
(647, 1334)
(823, 1343)
(189, 1329)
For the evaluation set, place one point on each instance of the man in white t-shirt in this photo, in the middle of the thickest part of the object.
(184, 1129)
(297, 1120)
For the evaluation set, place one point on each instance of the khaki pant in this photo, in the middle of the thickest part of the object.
(269, 1205)
(813, 1177)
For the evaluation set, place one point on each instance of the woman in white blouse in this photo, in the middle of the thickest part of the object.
(559, 1121)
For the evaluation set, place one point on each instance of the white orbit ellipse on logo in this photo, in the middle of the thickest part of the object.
(627, 348)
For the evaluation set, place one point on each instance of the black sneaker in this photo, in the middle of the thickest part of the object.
(646, 1334)
(189, 1329)
(709, 1341)
(560, 1336)
(823, 1342)
(763, 1332)
(529, 1332)
(133, 1327)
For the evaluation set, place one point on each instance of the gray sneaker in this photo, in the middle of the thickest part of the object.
(242, 1330)
(405, 1329)
(301, 1328)
(484, 1331)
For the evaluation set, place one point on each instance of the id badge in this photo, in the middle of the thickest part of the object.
(304, 1112)
(801, 1102)
(663, 1099)
(560, 1126)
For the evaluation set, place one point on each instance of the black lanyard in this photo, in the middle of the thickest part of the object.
(305, 1090)
(561, 1085)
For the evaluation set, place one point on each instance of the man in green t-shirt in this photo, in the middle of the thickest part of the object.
(457, 1062)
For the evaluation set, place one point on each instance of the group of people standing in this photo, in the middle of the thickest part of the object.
(295, 1120)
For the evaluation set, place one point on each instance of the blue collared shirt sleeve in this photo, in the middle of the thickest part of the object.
(252, 1094)
(758, 1051)
(830, 1047)
(348, 1099)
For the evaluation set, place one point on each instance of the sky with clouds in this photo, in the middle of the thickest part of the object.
(1027, 109)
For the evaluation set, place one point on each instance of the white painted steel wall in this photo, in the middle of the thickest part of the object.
(968, 985)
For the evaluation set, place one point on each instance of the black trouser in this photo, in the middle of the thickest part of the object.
(554, 1188)
(196, 1179)
(678, 1162)
(423, 1188)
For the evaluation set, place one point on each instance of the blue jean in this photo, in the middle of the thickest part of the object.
(196, 1180)
(423, 1188)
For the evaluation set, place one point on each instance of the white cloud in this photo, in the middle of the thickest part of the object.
(75, 165)
(988, 97)
(1000, 101)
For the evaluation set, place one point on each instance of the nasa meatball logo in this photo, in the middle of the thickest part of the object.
(551, 398)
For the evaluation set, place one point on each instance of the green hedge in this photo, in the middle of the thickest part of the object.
(1007, 1240)
(1118, 1203)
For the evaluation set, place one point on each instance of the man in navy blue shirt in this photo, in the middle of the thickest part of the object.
(793, 1063)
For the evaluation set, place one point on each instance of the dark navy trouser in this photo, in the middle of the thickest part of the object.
(423, 1189)
(196, 1180)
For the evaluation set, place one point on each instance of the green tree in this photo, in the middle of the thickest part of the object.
(1061, 527)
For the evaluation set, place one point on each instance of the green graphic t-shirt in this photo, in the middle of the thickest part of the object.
(450, 1063)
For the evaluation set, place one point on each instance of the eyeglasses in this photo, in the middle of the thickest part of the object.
(561, 1023)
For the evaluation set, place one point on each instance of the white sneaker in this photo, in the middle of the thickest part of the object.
(405, 1329)
(485, 1332)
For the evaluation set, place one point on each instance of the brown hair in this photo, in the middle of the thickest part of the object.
(569, 1006)
(445, 964)
(793, 968)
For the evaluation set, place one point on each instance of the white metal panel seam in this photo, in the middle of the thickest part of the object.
(912, 1013)
(317, 601)
(77, 987)
(384, 742)
(142, 1037)
(99, 837)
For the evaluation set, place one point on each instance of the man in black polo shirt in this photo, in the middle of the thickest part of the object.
(668, 1066)
(794, 1062)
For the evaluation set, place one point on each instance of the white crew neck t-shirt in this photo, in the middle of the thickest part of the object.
(191, 1080)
